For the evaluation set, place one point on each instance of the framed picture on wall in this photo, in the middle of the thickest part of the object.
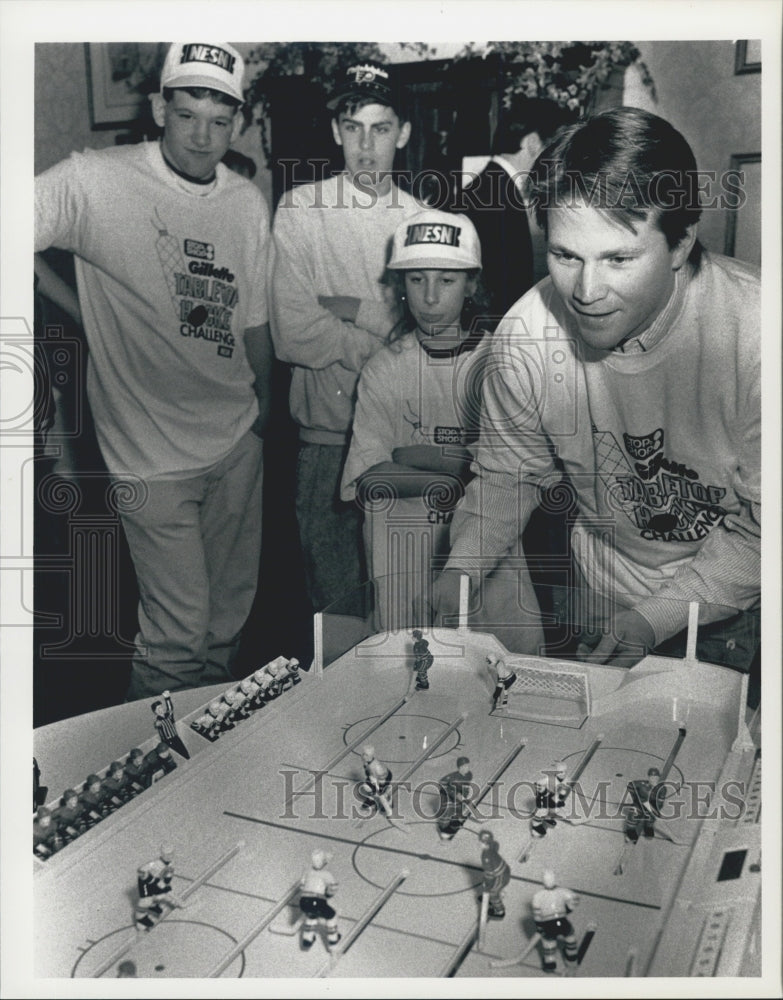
(120, 78)
(743, 225)
(747, 56)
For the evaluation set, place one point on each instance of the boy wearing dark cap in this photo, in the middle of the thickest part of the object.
(330, 311)
(171, 252)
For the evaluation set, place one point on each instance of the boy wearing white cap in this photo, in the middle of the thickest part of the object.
(331, 312)
(171, 251)
(418, 398)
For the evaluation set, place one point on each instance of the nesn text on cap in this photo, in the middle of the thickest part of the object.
(197, 64)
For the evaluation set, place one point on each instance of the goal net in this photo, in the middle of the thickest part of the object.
(543, 693)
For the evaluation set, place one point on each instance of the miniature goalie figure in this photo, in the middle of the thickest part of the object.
(497, 875)
(375, 789)
(318, 885)
(505, 677)
(551, 907)
(423, 660)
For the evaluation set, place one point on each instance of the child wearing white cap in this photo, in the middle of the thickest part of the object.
(418, 398)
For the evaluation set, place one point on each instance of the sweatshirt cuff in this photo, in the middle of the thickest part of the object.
(666, 616)
(358, 347)
(376, 317)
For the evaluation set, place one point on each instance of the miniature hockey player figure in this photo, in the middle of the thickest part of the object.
(275, 674)
(497, 875)
(46, 837)
(251, 689)
(158, 762)
(423, 660)
(116, 784)
(166, 726)
(455, 790)
(545, 806)
(318, 885)
(211, 723)
(70, 816)
(230, 707)
(237, 699)
(266, 678)
(261, 680)
(134, 770)
(505, 678)
(375, 789)
(94, 800)
(204, 725)
(154, 886)
(551, 906)
(562, 788)
(640, 816)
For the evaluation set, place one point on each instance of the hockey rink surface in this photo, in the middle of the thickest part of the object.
(245, 813)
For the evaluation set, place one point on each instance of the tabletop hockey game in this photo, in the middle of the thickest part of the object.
(542, 817)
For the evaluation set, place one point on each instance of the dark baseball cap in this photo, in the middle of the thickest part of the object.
(366, 81)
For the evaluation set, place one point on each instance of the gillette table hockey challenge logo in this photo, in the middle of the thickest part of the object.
(204, 296)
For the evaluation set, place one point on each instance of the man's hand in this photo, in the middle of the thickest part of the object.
(629, 641)
(344, 307)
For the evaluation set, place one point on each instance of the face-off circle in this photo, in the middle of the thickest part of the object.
(173, 948)
(611, 769)
(403, 738)
(437, 868)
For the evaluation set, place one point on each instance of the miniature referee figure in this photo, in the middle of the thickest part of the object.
(167, 728)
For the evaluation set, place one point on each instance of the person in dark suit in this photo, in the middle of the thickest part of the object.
(496, 206)
(495, 203)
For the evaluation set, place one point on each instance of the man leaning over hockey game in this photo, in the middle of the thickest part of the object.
(637, 361)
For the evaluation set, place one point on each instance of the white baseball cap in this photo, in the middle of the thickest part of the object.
(433, 239)
(196, 64)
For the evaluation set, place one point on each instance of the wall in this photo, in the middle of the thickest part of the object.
(62, 116)
(717, 112)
